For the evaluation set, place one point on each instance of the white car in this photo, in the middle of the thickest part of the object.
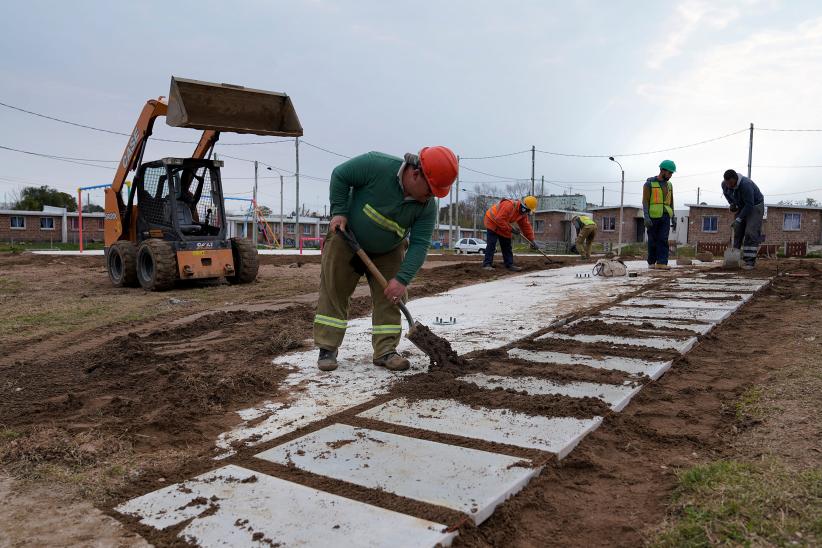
(470, 245)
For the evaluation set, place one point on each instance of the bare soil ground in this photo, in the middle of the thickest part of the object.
(130, 395)
(103, 388)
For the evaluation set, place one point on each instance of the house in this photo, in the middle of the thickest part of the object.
(554, 225)
(783, 224)
(52, 225)
(607, 220)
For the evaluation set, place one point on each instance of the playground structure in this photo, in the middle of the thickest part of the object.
(80, 207)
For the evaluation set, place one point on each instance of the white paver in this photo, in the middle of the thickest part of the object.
(667, 313)
(660, 343)
(714, 287)
(466, 480)
(558, 435)
(284, 512)
(754, 282)
(700, 328)
(546, 294)
(615, 395)
(634, 366)
(682, 303)
(698, 295)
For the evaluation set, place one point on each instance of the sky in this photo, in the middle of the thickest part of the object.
(589, 78)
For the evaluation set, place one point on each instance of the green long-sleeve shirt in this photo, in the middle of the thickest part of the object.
(366, 189)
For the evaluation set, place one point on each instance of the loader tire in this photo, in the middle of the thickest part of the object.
(122, 264)
(246, 261)
(156, 265)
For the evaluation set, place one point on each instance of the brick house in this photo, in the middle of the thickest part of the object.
(607, 219)
(54, 225)
(554, 225)
(782, 224)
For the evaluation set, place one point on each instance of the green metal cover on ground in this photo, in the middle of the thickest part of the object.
(228, 107)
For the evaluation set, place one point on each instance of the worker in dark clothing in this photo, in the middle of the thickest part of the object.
(658, 210)
(747, 202)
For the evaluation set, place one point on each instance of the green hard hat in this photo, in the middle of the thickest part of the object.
(668, 165)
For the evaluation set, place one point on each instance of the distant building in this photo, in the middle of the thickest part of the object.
(566, 202)
(782, 224)
(53, 225)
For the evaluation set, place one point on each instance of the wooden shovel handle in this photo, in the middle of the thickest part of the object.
(372, 268)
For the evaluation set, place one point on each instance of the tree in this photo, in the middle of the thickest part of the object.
(33, 198)
(518, 189)
(92, 208)
(810, 202)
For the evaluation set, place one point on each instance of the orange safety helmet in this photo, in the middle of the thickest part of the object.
(439, 165)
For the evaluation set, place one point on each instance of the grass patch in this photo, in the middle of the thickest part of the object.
(744, 504)
(749, 405)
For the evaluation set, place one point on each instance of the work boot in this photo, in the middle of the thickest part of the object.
(660, 266)
(748, 266)
(392, 361)
(514, 268)
(488, 267)
(327, 360)
(651, 266)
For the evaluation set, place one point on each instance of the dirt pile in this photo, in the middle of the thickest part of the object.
(439, 351)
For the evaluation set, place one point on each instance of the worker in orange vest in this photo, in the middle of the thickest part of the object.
(498, 220)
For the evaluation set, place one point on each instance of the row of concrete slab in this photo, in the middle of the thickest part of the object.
(236, 506)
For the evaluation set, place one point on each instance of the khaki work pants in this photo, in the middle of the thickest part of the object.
(584, 240)
(338, 279)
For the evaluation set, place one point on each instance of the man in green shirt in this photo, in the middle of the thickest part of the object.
(387, 203)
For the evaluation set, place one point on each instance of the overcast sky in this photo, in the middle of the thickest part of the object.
(485, 78)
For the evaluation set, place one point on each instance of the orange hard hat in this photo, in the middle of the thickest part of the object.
(439, 165)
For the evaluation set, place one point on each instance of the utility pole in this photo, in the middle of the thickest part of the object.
(750, 151)
(297, 208)
(697, 195)
(542, 186)
(458, 202)
(256, 207)
(621, 204)
(533, 165)
(602, 203)
(282, 224)
(450, 216)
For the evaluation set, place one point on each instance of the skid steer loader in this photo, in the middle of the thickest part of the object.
(171, 225)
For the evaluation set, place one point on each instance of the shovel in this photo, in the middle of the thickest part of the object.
(519, 233)
(733, 256)
(437, 349)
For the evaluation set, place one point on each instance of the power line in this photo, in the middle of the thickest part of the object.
(112, 132)
(58, 158)
(788, 130)
(642, 153)
(324, 149)
(492, 174)
(495, 156)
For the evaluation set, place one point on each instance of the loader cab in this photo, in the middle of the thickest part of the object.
(179, 199)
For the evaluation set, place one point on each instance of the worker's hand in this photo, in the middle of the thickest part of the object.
(338, 221)
(534, 246)
(395, 291)
(734, 208)
(735, 224)
(648, 222)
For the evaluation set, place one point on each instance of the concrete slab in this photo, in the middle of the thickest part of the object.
(652, 369)
(547, 294)
(755, 282)
(615, 395)
(700, 328)
(679, 345)
(714, 287)
(558, 435)
(697, 295)
(667, 313)
(228, 506)
(466, 480)
(682, 303)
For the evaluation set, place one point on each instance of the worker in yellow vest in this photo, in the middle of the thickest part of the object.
(658, 209)
(586, 232)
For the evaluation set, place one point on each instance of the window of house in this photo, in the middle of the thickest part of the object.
(792, 221)
(289, 228)
(18, 222)
(307, 230)
(74, 223)
(539, 226)
(608, 224)
(46, 223)
(710, 223)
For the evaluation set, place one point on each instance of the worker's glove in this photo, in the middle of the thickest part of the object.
(734, 208)
(648, 222)
(673, 223)
(736, 224)
(534, 246)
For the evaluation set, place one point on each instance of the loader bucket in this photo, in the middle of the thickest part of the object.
(231, 108)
